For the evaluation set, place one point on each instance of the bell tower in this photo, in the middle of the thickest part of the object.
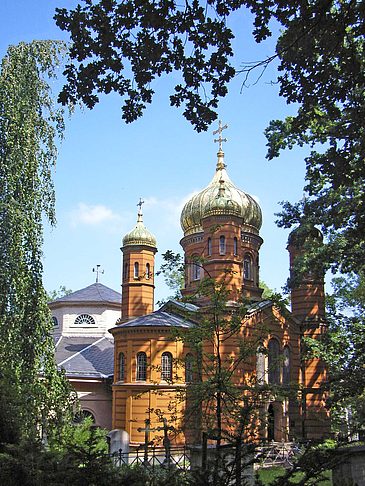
(308, 306)
(221, 240)
(139, 249)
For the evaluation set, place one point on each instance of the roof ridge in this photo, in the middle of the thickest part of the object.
(80, 352)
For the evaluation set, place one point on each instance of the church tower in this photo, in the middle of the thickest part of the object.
(221, 227)
(308, 306)
(139, 249)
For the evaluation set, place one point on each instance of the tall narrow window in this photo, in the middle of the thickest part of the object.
(196, 271)
(209, 246)
(148, 271)
(286, 365)
(222, 245)
(125, 271)
(247, 267)
(166, 366)
(273, 362)
(260, 366)
(121, 367)
(141, 372)
(189, 368)
(235, 246)
(136, 270)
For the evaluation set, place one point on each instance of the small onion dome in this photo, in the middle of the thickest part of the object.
(192, 213)
(139, 235)
(222, 204)
(303, 233)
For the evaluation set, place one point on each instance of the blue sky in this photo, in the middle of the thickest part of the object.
(105, 166)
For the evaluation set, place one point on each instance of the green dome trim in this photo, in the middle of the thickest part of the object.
(139, 235)
(211, 201)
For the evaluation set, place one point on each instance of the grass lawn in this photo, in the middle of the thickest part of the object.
(267, 475)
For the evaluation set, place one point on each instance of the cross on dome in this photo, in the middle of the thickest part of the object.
(220, 139)
(141, 202)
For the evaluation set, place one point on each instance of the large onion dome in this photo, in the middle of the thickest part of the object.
(139, 235)
(222, 203)
(214, 200)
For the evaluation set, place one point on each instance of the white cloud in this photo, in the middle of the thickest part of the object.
(92, 214)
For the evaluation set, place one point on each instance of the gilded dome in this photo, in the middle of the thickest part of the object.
(139, 235)
(221, 196)
(222, 203)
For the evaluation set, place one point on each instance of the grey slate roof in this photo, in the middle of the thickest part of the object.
(259, 306)
(96, 292)
(185, 306)
(88, 357)
(158, 318)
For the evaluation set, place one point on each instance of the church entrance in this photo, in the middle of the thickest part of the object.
(276, 423)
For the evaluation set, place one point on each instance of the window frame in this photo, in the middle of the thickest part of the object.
(247, 267)
(136, 270)
(84, 320)
(141, 366)
(222, 245)
(121, 367)
(235, 246)
(273, 362)
(209, 246)
(166, 366)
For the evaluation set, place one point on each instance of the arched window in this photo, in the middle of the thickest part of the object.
(209, 246)
(84, 320)
(136, 270)
(235, 246)
(125, 271)
(195, 271)
(79, 417)
(260, 365)
(166, 366)
(121, 376)
(148, 271)
(189, 368)
(141, 372)
(222, 245)
(55, 321)
(247, 267)
(273, 362)
(286, 365)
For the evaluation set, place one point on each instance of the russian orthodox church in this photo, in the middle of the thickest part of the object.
(152, 367)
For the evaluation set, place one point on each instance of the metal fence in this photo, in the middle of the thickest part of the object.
(178, 458)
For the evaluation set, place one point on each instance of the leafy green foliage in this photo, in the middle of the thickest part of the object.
(342, 349)
(60, 292)
(124, 46)
(321, 54)
(172, 269)
(29, 126)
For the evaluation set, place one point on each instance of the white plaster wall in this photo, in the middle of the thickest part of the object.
(104, 319)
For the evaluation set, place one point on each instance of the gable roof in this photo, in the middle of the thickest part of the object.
(96, 292)
(87, 357)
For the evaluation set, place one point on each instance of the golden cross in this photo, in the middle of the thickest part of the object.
(220, 139)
